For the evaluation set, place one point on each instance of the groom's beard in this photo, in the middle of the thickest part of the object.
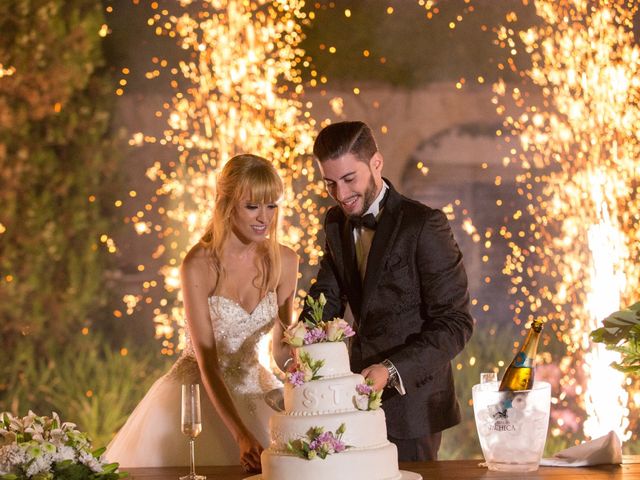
(368, 197)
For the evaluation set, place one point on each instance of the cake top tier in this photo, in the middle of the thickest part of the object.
(334, 356)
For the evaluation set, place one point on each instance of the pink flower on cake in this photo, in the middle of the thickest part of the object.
(307, 372)
(338, 329)
(295, 334)
(364, 389)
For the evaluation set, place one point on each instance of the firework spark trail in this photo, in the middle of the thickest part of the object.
(582, 146)
(238, 91)
(6, 71)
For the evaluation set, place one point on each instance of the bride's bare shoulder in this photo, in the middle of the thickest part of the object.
(196, 261)
(289, 259)
(287, 254)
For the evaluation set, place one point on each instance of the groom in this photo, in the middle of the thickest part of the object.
(397, 265)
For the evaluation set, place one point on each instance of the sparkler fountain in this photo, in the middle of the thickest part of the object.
(582, 144)
(238, 91)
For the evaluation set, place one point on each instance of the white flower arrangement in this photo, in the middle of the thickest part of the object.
(43, 448)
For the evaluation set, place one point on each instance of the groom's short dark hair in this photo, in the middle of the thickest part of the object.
(341, 138)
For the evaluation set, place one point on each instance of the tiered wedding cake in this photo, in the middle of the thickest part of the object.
(332, 426)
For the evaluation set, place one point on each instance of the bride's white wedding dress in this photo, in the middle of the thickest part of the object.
(151, 436)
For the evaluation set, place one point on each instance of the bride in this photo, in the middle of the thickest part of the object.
(238, 284)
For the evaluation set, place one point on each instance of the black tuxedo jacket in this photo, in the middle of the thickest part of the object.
(412, 308)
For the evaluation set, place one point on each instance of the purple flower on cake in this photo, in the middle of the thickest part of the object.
(364, 389)
(295, 378)
(315, 335)
(327, 443)
(366, 398)
(318, 443)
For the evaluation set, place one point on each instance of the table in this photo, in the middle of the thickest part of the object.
(440, 470)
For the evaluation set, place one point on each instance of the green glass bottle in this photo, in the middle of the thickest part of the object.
(521, 372)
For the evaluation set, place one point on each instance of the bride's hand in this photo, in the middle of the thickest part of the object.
(250, 450)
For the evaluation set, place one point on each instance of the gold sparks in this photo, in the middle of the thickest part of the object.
(239, 91)
(6, 71)
(432, 9)
(577, 260)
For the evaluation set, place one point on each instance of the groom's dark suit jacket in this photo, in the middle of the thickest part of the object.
(412, 308)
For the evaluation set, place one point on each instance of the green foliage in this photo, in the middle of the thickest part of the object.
(621, 333)
(87, 383)
(317, 307)
(57, 168)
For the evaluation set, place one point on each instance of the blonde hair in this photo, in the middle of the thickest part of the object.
(257, 177)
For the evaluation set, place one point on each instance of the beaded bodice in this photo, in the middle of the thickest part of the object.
(241, 340)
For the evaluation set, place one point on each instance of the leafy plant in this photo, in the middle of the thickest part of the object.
(621, 333)
(87, 382)
(59, 169)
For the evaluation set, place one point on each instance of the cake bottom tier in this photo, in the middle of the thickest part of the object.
(380, 463)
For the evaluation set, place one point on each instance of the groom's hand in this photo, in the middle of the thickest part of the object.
(378, 374)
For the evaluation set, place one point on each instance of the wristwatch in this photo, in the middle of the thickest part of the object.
(392, 381)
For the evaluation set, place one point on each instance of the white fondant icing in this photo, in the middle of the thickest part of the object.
(363, 429)
(354, 464)
(334, 354)
(325, 395)
(329, 402)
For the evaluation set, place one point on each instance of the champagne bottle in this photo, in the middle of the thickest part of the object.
(520, 373)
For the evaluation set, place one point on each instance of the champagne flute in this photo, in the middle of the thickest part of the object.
(191, 422)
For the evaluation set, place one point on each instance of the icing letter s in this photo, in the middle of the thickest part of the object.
(310, 399)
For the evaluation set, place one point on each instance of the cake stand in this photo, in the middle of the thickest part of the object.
(404, 475)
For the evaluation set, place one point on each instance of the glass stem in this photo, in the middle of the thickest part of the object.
(193, 457)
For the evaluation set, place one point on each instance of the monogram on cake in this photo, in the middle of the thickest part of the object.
(332, 425)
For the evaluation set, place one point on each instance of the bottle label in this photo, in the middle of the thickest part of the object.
(510, 405)
(522, 360)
